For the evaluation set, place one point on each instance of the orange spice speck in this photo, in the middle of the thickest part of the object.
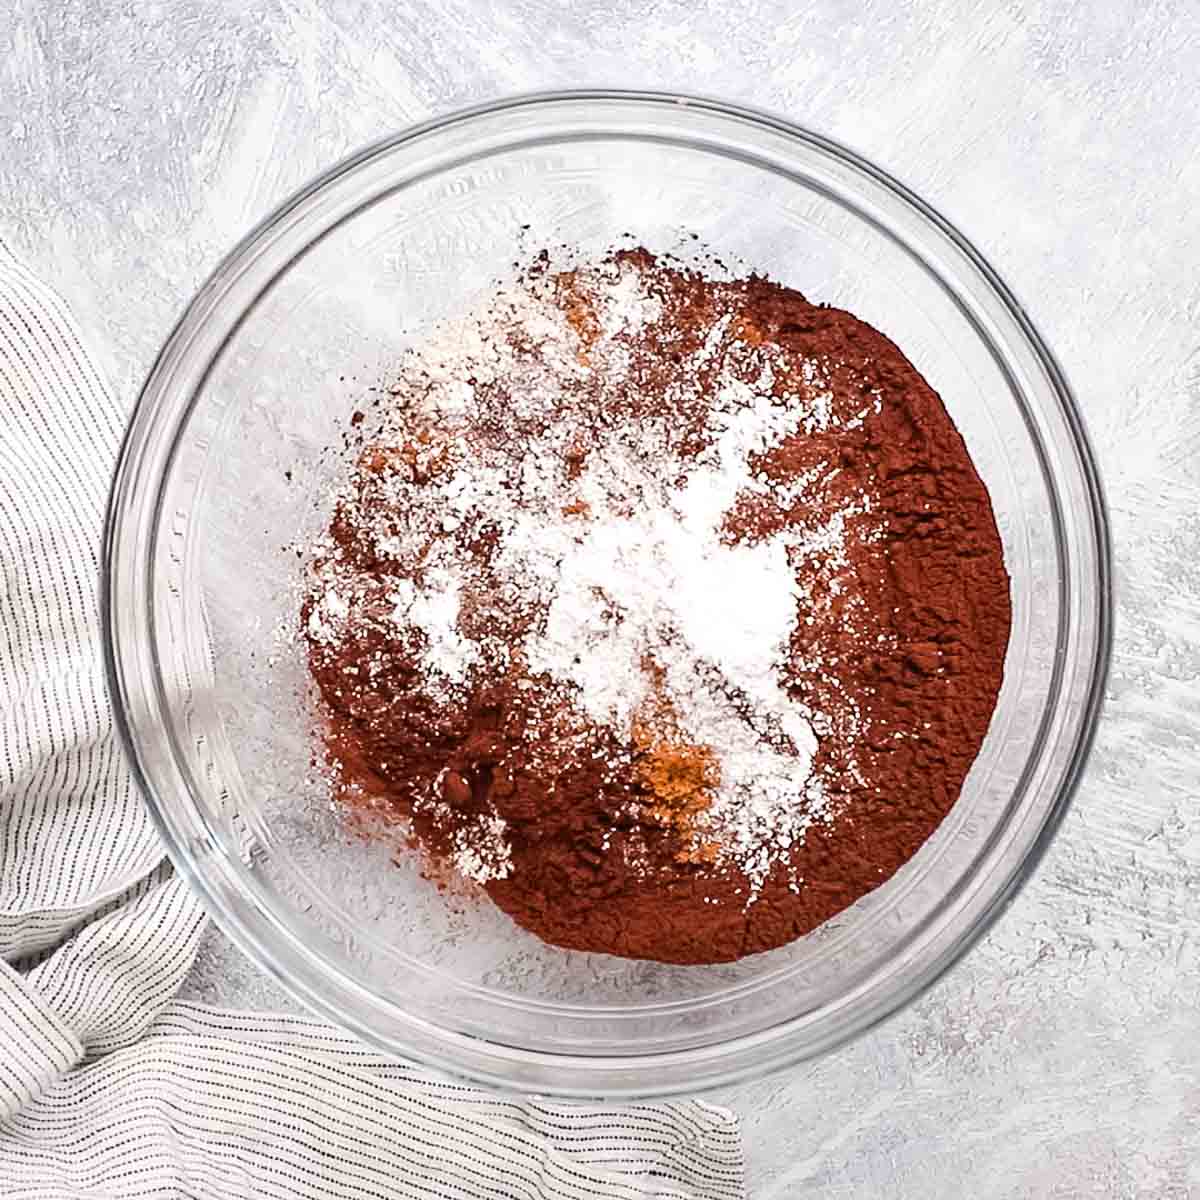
(680, 779)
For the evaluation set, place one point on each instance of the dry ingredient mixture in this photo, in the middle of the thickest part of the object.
(671, 612)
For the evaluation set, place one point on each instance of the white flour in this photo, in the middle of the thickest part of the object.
(649, 610)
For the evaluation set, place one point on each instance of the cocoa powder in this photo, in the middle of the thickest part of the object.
(427, 644)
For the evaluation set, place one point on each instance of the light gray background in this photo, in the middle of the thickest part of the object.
(1062, 1058)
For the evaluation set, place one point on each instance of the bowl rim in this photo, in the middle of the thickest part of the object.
(624, 1070)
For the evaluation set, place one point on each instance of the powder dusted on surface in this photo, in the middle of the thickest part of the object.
(592, 606)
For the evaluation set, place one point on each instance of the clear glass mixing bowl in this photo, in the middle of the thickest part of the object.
(222, 471)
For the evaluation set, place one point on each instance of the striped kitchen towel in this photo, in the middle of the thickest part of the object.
(109, 1087)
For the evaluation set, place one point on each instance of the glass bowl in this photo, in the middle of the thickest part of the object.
(222, 473)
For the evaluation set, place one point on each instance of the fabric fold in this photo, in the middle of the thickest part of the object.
(233, 1114)
(74, 834)
(37, 1045)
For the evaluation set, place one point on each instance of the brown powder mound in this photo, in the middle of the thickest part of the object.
(624, 839)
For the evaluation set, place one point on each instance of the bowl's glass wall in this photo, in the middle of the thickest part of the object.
(370, 261)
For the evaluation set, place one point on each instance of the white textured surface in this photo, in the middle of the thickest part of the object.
(1062, 1058)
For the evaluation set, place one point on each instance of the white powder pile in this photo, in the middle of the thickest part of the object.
(716, 619)
(609, 537)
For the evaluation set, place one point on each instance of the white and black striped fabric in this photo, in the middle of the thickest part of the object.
(108, 1086)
